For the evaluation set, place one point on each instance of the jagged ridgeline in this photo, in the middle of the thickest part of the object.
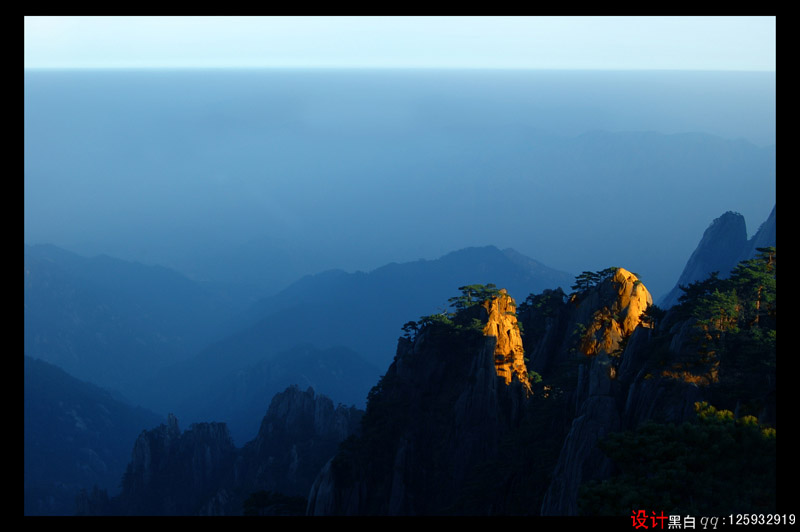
(594, 402)
(490, 409)
(199, 471)
(719, 343)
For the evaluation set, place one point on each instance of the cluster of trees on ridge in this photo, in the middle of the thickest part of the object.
(724, 461)
(721, 461)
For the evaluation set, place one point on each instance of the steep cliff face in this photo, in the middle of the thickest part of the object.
(442, 408)
(723, 245)
(604, 317)
(638, 364)
(454, 427)
(764, 237)
(617, 305)
(719, 250)
(501, 322)
(299, 434)
(174, 473)
(200, 471)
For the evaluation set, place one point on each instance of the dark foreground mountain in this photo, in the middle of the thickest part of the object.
(77, 436)
(723, 245)
(460, 424)
(200, 471)
(595, 403)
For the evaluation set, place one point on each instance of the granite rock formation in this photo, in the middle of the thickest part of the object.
(453, 428)
(445, 404)
(200, 472)
(723, 246)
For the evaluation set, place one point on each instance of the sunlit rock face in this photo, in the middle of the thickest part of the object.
(509, 354)
(610, 311)
(619, 302)
(442, 408)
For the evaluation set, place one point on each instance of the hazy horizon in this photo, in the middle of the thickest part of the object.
(251, 203)
(350, 169)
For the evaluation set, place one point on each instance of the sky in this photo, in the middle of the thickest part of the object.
(607, 43)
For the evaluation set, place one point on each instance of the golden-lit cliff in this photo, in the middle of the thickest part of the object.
(502, 323)
(618, 316)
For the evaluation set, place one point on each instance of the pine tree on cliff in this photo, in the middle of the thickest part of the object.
(585, 280)
(714, 465)
(755, 280)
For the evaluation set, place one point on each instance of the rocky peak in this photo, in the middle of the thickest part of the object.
(201, 472)
(299, 434)
(617, 305)
(607, 313)
(453, 393)
(198, 459)
(306, 414)
(501, 322)
(764, 237)
(719, 250)
(172, 426)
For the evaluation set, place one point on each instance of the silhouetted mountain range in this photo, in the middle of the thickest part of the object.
(114, 322)
(361, 310)
(76, 436)
(199, 471)
(596, 362)
(356, 314)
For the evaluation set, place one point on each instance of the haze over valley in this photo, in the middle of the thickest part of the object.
(231, 266)
(257, 178)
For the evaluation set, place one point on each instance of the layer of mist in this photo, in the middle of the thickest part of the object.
(248, 180)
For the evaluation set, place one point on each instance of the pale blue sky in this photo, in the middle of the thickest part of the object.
(612, 43)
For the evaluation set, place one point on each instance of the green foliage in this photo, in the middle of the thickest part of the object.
(721, 462)
(545, 305)
(698, 289)
(538, 313)
(754, 280)
(575, 337)
(653, 315)
(473, 294)
(464, 323)
(735, 331)
(587, 280)
(746, 297)
(410, 327)
(441, 319)
(714, 465)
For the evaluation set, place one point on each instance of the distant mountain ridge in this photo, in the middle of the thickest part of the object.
(113, 322)
(334, 330)
(76, 436)
(240, 397)
(408, 289)
(362, 312)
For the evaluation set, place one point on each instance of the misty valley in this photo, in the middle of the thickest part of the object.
(399, 293)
